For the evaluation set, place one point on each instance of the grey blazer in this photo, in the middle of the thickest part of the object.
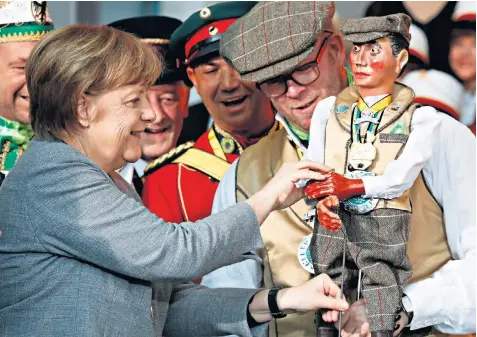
(78, 256)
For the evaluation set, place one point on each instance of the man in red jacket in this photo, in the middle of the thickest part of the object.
(180, 185)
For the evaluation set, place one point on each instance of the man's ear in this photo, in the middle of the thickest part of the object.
(83, 107)
(191, 75)
(337, 48)
(402, 59)
(184, 94)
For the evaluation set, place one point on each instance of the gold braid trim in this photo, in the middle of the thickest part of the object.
(5, 150)
(167, 158)
(15, 37)
(156, 41)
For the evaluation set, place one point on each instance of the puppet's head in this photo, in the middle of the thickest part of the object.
(380, 50)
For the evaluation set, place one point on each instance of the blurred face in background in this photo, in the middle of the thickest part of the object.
(462, 55)
(170, 103)
(14, 98)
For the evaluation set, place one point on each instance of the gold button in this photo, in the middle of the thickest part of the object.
(205, 13)
(213, 30)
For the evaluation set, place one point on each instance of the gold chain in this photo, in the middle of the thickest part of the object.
(5, 150)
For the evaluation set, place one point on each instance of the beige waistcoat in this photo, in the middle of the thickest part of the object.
(283, 230)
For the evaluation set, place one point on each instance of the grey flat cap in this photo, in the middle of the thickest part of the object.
(274, 37)
(376, 27)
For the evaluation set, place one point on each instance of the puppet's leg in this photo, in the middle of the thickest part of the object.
(380, 241)
(326, 249)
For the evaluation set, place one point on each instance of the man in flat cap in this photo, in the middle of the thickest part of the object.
(22, 24)
(377, 141)
(186, 178)
(442, 239)
(169, 97)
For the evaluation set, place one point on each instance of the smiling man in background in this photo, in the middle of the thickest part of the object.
(169, 97)
(180, 186)
(22, 25)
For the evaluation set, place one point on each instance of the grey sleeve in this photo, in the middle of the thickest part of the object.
(199, 311)
(77, 211)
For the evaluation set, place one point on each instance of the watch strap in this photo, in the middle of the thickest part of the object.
(272, 303)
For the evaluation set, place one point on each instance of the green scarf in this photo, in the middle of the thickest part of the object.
(18, 135)
(302, 135)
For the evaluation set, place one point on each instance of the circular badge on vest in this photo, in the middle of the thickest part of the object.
(360, 205)
(304, 256)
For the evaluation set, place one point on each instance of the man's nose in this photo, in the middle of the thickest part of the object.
(294, 89)
(230, 79)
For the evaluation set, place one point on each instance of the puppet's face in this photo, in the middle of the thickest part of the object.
(374, 65)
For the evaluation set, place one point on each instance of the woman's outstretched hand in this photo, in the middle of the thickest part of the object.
(281, 192)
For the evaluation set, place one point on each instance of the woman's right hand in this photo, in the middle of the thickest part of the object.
(281, 192)
(318, 293)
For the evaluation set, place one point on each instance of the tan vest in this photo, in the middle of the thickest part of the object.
(283, 230)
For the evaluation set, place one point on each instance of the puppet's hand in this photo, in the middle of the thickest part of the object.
(327, 213)
(335, 184)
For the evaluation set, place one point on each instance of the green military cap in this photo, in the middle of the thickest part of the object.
(275, 36)
(375, 27)
(198, 38)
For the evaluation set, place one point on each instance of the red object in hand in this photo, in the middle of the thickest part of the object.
(327, 213)
(336, 184)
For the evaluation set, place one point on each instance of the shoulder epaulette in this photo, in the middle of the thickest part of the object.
(167, 158)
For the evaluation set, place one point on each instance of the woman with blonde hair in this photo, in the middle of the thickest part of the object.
(78, 255)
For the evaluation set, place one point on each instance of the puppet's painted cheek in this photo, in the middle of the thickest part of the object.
(377, 65)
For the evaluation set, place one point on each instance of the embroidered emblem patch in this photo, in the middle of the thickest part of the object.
(341, 108)
(398, 128)
(395, 107)
(304, 256)
(359, 205)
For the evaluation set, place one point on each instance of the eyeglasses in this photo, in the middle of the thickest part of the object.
(304, 75)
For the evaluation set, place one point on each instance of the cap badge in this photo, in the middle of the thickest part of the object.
(395, 107)
(213, 30)
(204, 13)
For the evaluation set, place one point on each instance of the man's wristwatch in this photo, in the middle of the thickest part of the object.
(272, 303)
(407, 308)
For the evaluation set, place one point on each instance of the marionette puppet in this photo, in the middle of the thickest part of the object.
(377, 141)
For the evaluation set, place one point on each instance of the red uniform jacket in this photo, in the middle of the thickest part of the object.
(177, 193)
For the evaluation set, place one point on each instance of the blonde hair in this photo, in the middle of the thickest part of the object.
(80, 59)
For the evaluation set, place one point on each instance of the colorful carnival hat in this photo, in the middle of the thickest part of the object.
(437, 89)
(24, 21)
(156, 31)
(419, 46)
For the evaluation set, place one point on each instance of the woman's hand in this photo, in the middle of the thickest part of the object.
(281, 192)
(317, 293)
